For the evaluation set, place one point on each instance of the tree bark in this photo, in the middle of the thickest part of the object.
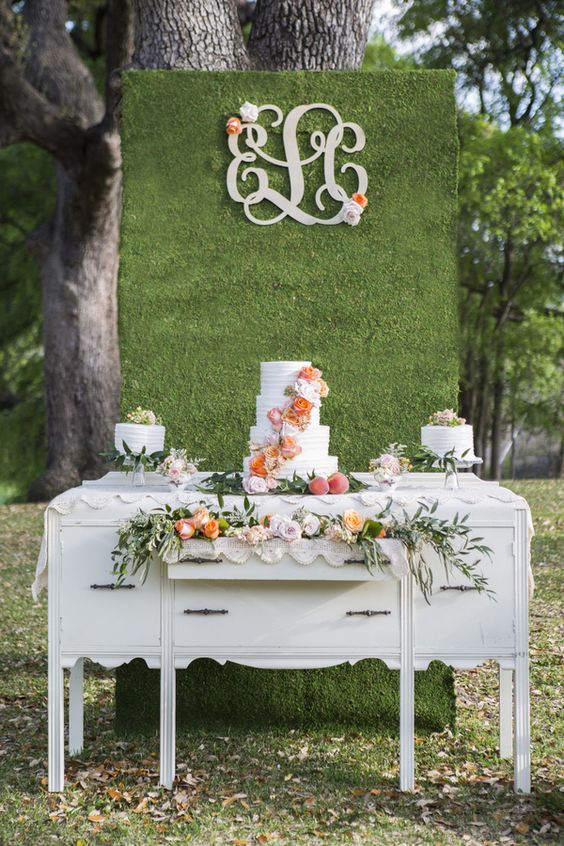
(77, 250)
(196, 34)
(310, 34)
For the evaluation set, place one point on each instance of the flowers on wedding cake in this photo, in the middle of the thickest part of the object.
(143, 416)
(448, 417)
(177, 467)
(390, 465)
(282, 442)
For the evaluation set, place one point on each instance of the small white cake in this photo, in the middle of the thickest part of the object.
(139, 435)
(275, 378)
(443, 439)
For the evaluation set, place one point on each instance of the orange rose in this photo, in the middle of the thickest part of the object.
(211, 529)
(302, 406)
(360, 199)
(382, 534)
(233, 126)
(257, 466)
(353, 521)
(323, 388)
(311, 373)
(271, 452)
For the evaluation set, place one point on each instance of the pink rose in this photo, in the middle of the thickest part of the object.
(184, 528)
(390, 463)
(289, 447)
(275, 417)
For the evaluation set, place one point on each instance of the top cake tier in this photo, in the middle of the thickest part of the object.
(275, 376)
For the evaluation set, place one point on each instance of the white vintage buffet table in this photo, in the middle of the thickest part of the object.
(289, 614)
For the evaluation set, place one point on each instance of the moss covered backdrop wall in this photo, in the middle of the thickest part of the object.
(205, 295)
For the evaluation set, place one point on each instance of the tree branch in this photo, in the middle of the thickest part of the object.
(25, 115)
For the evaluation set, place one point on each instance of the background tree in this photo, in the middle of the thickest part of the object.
(49, 97)
(509, 60)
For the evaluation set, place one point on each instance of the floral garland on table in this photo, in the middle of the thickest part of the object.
(295, 416)
(164, 531)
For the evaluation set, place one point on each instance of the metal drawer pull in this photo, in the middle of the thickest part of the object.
(206, 611)
(111, 587)
(368, 613)
(361, 561)
(461, 588)
(204, 560)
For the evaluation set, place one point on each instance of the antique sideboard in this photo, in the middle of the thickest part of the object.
(283, 615)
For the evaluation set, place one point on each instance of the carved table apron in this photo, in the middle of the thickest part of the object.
(282, 615)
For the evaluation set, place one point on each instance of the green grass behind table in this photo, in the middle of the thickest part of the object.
(277, 785)
(205, 296)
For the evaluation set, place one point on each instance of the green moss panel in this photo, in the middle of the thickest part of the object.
(205, 295)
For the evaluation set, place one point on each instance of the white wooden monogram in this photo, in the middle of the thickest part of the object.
(248, 144)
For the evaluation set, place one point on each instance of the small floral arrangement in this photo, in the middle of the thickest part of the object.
(448, 417)
(391, 464)
(164, 531)
(177, 467)
(354, 209)
(282, 442)
(143, 416)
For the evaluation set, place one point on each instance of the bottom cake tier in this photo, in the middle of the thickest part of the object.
(319, 467)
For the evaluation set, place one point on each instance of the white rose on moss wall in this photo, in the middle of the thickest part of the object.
(249, 112)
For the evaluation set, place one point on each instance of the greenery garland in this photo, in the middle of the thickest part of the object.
(158, 533)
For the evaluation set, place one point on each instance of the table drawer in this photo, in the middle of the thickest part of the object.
(97, 616)
(286, 614)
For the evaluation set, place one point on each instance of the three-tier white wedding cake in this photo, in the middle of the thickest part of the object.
(288, 437)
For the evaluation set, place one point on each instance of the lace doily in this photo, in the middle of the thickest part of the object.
(303, 552)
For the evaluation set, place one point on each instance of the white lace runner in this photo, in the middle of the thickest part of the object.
(304, 552)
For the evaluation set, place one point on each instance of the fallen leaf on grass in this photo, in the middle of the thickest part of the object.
(96, 816)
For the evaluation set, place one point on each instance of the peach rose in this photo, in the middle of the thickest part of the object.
(233, 126)
(311, 373)
(211, 529)
(290, 417)
(382, 534)
(353, 521)
(184, 528)
(257, 465)
(302, 406)
(272, 452)
(323, 388)
(199, 517)
(360, 199)
(290, 447)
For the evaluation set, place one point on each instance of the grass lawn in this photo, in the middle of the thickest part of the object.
(277, 787)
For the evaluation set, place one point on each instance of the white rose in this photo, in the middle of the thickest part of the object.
(309, 390)
(285, 528)
(255, 485)
(249, 112)
(310, 525)
(353, 211)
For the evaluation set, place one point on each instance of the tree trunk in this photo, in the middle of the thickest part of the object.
(310, 35)
(48, 97)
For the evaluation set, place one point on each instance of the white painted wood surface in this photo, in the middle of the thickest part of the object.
(283, 622)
